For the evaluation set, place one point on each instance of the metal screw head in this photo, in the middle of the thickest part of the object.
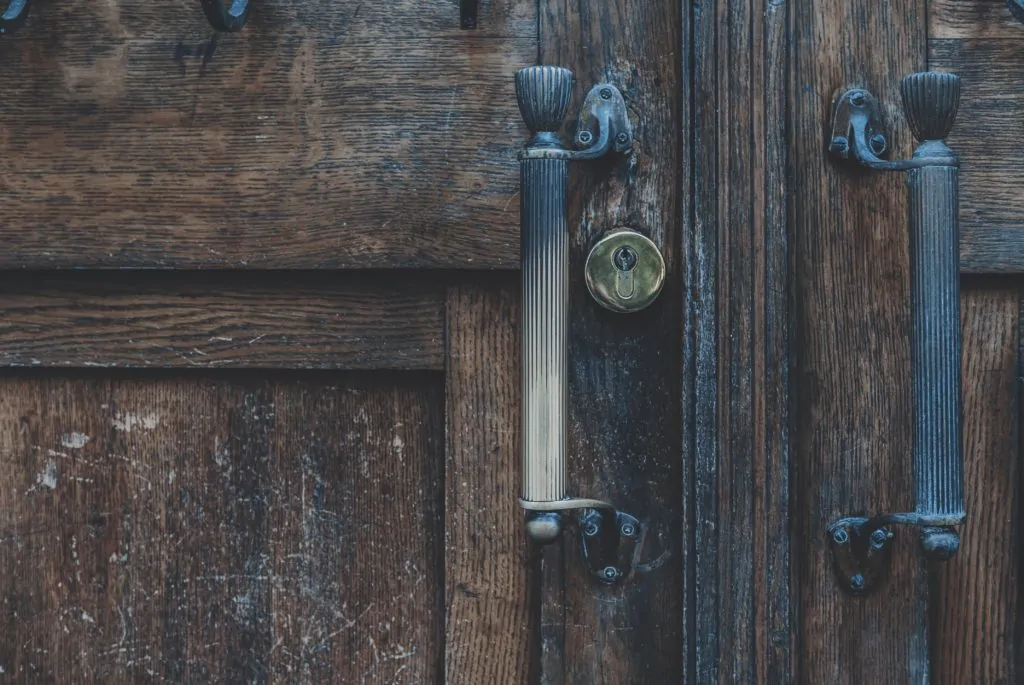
(606, 93)
(622, 138)
(857, 582)
(878, 538)
(877, 143)
(590, 528)
(610, 573)
(585, 137)
(628, 530)
(840, 536)
(857, 98)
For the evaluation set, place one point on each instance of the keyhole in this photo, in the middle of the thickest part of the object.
(625, 259)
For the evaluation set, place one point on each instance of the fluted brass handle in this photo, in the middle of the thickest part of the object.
(930, 101)
(543, 93)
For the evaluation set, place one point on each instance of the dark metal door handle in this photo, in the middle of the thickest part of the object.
(1016, 8)
(14, 16)
(861, 545)
(543, 93)
(227, 17)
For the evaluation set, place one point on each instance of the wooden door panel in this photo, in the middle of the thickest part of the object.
(277, 320)
(977, 598)
(325, 135)
(981, 41)
(221, 527)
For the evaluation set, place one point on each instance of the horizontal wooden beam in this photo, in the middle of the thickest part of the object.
(163, 320)
(992, 250)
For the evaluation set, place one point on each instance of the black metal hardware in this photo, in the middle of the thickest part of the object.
(467, 13)
(930, 100)
(227, 16)
(1016, 8)
(543, 93)
(13, 16)
(609, 543)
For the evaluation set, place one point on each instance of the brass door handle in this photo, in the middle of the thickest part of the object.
(227, 17)
(543, 93)
(14, 16)
(861, 545)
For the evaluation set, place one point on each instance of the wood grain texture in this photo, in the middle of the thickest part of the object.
(490, 575)
(625, 370)
(324, 135)
(220, 321)
(220, 529)
(986, 136)
(738, 274)
(972, 19)
(850, 384)
(977, 598)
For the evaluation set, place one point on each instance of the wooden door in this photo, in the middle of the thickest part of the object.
(259, 404)
(259, 339)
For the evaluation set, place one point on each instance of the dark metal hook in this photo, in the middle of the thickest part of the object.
(226, 16)
(1016, 8)
(13, 16)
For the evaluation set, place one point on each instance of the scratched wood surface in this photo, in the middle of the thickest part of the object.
(625, 386)
(221, 528)
(851, 402)
(490, 573)
(325, 134)
(977, 597)
(279, 320)
(982, 42)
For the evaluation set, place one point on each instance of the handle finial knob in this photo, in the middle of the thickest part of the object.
(543, 94)
(930, 101)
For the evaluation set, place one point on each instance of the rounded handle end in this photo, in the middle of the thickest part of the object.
(930, 100)
(544, 527)
(940, 544)
(543, 94)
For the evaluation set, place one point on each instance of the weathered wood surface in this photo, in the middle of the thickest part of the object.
(491, 617)
(625, 380)
(221, 321)
(977, 598)
(221, 529)
(987, 137)
(323, 135)
(851, 396)
(738, 274)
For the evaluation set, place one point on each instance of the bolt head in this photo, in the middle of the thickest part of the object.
(590, 529)
(840, 536)
(878, 143)
(857, 582)
(606, 93)
(622, 138)
(628, 530)
(610, 573)
(585, 137)
(878, 538)
(857, 98)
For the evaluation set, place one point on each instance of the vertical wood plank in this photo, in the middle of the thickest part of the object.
(625, 380)
(977, 596)
(739, 281)
(490, 582)
(852, 402)
(220, 528)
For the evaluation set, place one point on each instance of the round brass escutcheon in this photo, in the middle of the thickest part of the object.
(625, 271)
